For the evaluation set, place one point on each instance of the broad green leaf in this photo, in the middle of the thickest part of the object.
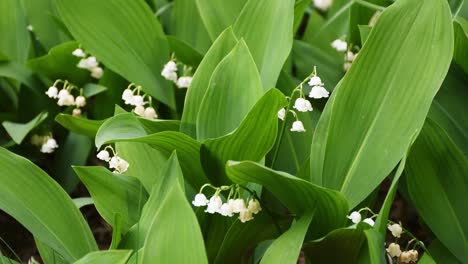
(236, 77)
(109, 256)
(42, 17)
(298, 195)
(91, 89)
(60, 63)
(439, 254)
(74, 152)
(15, 37)
(217, 15)
(19, 131)
(220, 48)
(267, 28)
(300, 7)
(374, 251)
(436, 166)
(79, 125)
(48, 255)
(113, 194)
(184, 52)
(375, 106)
(174, 230)
(30, 196)
(20, 73)
(188, 25)
(286, 248)
(250, 141)
(448, 107)
(132, 44)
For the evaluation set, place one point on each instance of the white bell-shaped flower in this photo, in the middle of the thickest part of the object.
(254, 206)
(282, 114)
(138, 100)
(76, 112)
(184, 82)
(49, 146)
(200, 200)
(170, 71)
(97, 72)
(150, 113)
(214, 204)
(297, 126)
(347, 66)
(139, 110)
(80, 101)
(63, 93)
(350, 56)
(52, 92)
(393, 250)
(339, 45)
(114, 162)
(238, 205)
(396, 230)
(79, 53)
(355, 217)
(410, 256)
(245, 215)
(302, 105)
(127, 96)
(318, 92)
(104, 155)
(66, 100)
(123, 165)
(226, 210)
(369, 221)
(88, 63)
(315, 81)
(323, 5)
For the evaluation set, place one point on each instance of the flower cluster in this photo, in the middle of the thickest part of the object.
(169, 72)
(115, 162)
(394, 251)
(46, 144)
(340, 45)
(356, 217)
(323, 5)
(234, 203)
(89, 63)
(65, 96)
(302, 104)
(132, 96)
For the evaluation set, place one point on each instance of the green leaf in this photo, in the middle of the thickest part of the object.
(15, 37)
(250, 141)
(220, 48)
(174, 230)
(299, 9)
(436, 166)
(48, 255)
(217, 15)
(184, 52)
(439, 254)
(79, 125)
(298, 195)
(460, 55)
(132, 44)
(30, 196)
(286, 248)
(113, 194)
(60, 63)
(364, 31)
(267, 28)
(374, 106)
(374, 251)
(236, 77)
(19, 131)
(20, 73)
(83, 201)
(109, 256)
(91, 89)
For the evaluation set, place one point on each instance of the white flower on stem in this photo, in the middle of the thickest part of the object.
(104, 155)
(245, 215)
(297, 126)
(127, 96)
(96, 72)
(49, 146)
(318, 92)
(88, 63)
(238, 205)
(76, 112)
(63, 93)
(315, 81)
(150, 113)
(302, 105)
(184, 82)
(138, 100)
(214, 204)
(52, 92)
(393, 250)
(139, 110)
(339, 45)
(79, 53)
(282, 114)
(396, 230)
(350, 56)
(254, 206)
(66, 100)
(80, 101)
(323, 5)
(200, 200)
(170, 71)
(369, 221)
(410, 256)
(120, 165)
(226, 210)
(355, 217)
